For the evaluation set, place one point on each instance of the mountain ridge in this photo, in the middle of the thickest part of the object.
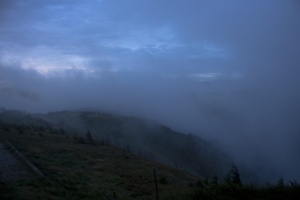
(143, 137)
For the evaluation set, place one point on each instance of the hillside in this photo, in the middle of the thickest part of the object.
(75, 169)
(143, 137)
(73, 166)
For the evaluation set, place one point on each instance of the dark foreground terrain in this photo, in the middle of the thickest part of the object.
(77, 168)
(80, 167)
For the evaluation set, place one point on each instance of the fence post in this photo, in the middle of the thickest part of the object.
(155, 181)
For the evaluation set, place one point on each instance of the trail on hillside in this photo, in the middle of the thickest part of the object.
(10, 168)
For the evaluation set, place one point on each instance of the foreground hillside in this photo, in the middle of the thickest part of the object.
(143, 137)
(76, 169)
(80, 167)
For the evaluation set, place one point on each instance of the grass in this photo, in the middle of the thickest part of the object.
(84, 171)
(75, 169)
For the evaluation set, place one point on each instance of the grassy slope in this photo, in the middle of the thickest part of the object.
(83, 171)
(147, 138)
(143, 137)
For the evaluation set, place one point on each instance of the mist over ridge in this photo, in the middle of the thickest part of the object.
(226, 71)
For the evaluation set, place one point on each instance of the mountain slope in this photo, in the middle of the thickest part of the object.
(144, 137)
(85, 171)
(147, 138)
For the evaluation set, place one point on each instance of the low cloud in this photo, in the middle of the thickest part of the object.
(227, 71)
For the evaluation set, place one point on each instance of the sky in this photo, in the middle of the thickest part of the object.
(225, 70)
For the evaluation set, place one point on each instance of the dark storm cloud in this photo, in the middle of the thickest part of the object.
(227, 70)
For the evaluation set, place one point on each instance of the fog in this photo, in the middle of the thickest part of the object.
(227, 71)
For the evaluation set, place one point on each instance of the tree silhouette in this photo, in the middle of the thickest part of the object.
(89, 138)
(233, 176)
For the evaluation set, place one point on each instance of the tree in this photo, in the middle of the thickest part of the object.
(89, 138)
(280, 182)
(233, 176)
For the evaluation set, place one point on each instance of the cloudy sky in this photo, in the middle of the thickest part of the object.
(226, 70)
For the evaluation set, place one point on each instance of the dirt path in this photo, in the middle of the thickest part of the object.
(11, 169)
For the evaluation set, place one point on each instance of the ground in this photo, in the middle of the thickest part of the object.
(11, 169)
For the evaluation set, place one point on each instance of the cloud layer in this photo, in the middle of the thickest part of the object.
(226, 70)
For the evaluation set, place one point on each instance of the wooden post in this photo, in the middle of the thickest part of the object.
(155, 181)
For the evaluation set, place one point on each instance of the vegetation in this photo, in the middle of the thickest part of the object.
(78, 166)
(225, 190)
(140, 136)
(233, 177)
(233, 189)
(77, 170)
(89, 138)
(146, 138)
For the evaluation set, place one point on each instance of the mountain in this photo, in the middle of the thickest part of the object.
(143, 137)
(65, 167)
(72, 169)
